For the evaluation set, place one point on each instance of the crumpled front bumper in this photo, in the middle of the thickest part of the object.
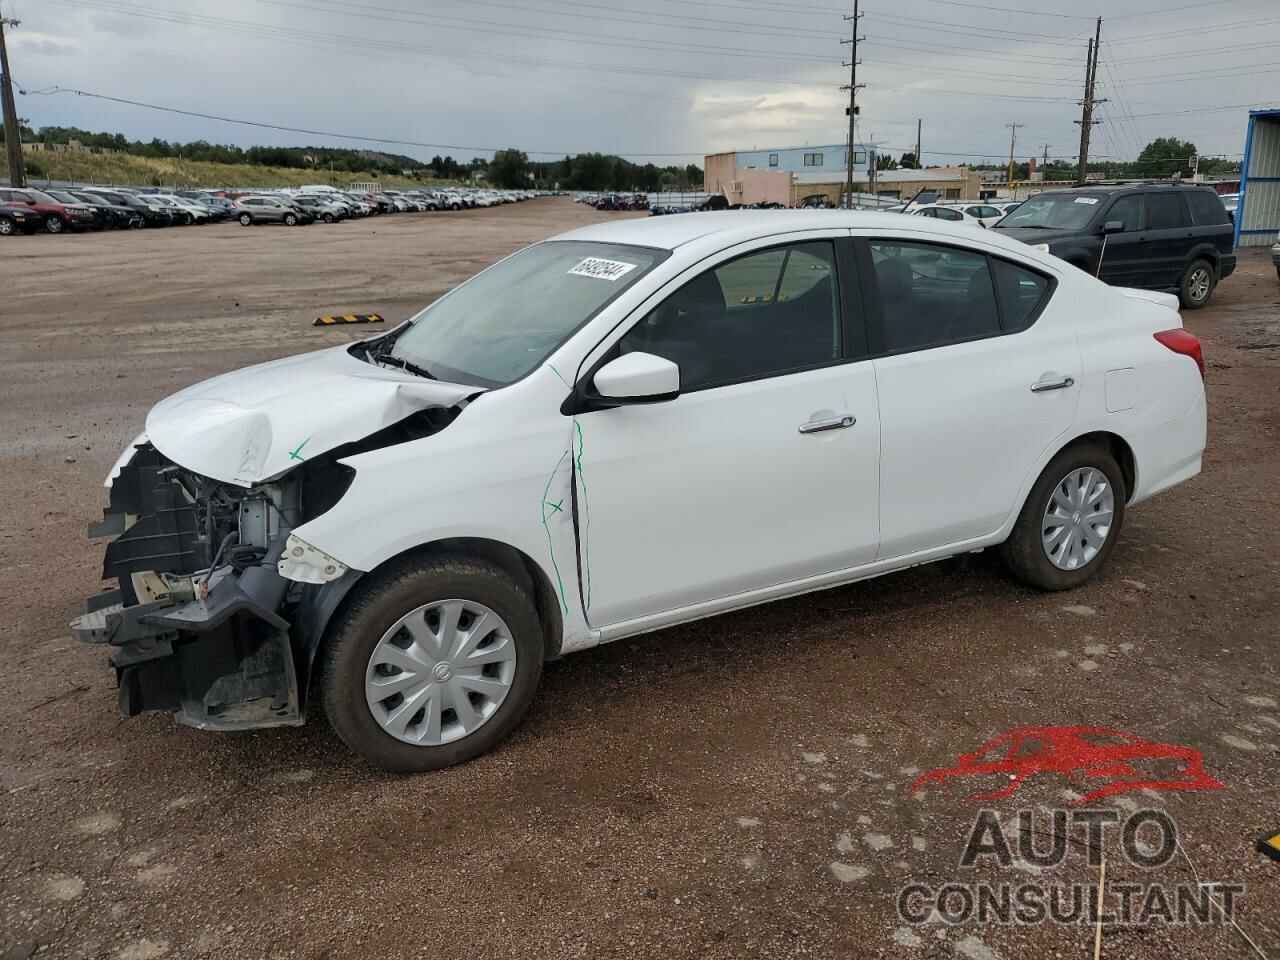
(224, 662)
(215, 648)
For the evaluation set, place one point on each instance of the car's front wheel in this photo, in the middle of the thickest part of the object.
(432, 663)
(245, 220)
(290, 220)
(7, 227)
(54, 224)
(1070, 521)
(1197, 285)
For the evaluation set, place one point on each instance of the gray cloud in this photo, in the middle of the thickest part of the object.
(572, 75)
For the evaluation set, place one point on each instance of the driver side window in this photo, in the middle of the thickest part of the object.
(765, 313)
(1128, 210)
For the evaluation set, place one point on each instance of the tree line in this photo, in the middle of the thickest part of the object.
(508, 168)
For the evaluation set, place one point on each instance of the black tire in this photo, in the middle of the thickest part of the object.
(1024, 552)
(54, 225)
(290, 220)
(328, 218)
(7, 227)
(246, 220)
(382, 600)
(1197, 284)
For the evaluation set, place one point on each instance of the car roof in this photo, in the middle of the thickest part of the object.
(736, 226)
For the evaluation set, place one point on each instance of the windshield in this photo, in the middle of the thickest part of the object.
(1059, 211)
(40, 197)
(504, 322)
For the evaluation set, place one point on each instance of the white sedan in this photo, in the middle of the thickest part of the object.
(975, 214)
(629, 426)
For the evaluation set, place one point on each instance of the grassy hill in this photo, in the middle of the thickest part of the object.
(125, 169)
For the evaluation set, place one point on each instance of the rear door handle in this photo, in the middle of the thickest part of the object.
(1044, 386)
(830, 423)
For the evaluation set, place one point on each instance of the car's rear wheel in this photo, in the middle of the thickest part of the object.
(1197, 285)
(7, 228)
(290, 220)
(432, 663)
(54, 224)
(245, 220)
(1070, 521)
(328, 218)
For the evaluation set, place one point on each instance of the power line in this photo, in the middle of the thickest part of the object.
(1029, 13)
(1251, 25)
(389, 141)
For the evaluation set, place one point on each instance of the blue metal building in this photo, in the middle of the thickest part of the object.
(831, 156)
(1258, 213)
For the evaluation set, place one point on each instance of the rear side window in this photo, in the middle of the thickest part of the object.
(1206, 208)
(932, 295)
(1022, 294)
(1167, 211)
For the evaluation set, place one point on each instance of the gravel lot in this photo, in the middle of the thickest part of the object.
(730, 789)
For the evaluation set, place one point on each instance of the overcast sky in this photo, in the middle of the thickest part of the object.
(659, 77)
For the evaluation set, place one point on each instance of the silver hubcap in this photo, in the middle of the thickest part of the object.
(1199, 283)
(1077, 520)
(441, 672)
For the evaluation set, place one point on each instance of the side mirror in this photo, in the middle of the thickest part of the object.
(638, 378)
(1113, 226)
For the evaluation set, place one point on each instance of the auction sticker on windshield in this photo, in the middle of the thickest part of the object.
(601, 269)
(1089, 200)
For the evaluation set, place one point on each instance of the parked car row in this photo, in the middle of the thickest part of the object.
(61, 209)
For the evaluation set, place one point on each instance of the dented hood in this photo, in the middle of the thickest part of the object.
(257, 423)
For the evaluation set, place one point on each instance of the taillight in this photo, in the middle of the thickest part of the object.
(1179, 341)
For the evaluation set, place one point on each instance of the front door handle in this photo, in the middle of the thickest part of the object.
(1044, 386)
(830, 423)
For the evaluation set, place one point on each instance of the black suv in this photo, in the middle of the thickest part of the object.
(1160, 236)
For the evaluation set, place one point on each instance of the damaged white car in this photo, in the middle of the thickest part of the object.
(629, 426)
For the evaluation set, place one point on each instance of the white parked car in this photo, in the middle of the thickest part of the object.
(974, 214)
(181, 206)
(633, 425)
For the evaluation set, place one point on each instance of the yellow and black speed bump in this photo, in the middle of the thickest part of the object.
(347, 318)
(1270, 844)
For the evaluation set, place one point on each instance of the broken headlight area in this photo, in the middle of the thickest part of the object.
(200, 620)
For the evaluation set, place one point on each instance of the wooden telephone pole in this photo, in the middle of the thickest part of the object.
(12, 137)
(853, 87)
(1086, 120)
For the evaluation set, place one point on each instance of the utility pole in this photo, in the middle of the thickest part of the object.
(1045, 162)
(853, 88)
(1086, 120)
(1013, 137)
(919, 124)
(12, 139)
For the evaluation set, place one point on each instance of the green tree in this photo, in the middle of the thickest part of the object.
(908, 162)
(1164, 157)
(509, 168)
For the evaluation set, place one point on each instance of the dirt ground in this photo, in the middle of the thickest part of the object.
(734, 788)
